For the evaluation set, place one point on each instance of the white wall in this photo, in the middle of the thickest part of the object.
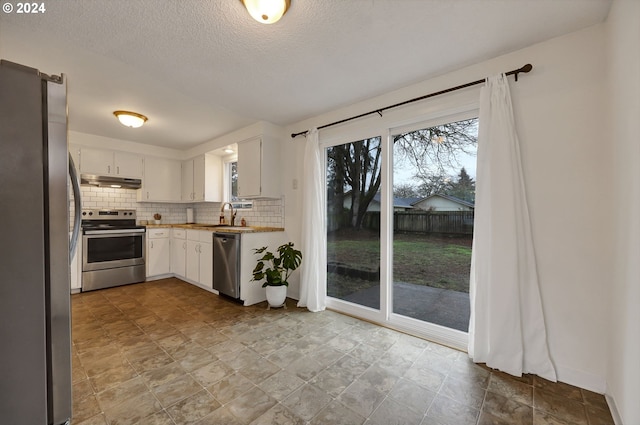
(623, 372)
(559, 110)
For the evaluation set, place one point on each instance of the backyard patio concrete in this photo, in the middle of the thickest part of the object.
(440, 306)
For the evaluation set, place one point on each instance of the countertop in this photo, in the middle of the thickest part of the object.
(217, 228)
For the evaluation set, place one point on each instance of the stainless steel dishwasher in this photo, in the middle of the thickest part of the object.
(226, 264)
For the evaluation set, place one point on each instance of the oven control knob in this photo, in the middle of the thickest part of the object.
(84, 213)
(90, 212)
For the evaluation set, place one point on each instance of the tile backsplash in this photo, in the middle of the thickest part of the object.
(265, 212)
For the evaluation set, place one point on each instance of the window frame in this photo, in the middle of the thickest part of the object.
(428, 114)
(238, 204)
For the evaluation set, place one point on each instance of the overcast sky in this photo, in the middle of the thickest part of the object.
(404, 174)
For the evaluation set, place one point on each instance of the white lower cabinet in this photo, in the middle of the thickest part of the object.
(179, 252)
(206, 262)
(199, 259)
(158, 252)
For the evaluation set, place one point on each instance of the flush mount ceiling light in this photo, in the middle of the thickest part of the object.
(267, 11)
(130, 119)
(228, 150)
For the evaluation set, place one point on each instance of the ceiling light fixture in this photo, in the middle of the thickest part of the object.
(228, 150)
(130, 119)
(267, 11)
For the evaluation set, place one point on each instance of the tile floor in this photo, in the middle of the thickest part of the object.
(166, 352)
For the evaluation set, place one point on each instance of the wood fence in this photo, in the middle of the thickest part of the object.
(444, 222)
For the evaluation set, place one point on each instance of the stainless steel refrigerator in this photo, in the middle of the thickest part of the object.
(35, 329)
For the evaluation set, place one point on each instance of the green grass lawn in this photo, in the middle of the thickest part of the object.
(419, 259)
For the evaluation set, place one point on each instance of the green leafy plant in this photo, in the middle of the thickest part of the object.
(276, 269)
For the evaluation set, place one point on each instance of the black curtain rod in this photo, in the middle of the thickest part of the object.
(526, 68)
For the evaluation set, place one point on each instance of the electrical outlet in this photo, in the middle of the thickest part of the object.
(295, 184)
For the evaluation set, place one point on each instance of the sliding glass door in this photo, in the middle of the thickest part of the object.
(353, 222)
(399, 213)
(433, 203)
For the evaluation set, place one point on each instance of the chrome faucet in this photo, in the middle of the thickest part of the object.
(232, 215)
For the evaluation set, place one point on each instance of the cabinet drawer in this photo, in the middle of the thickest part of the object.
(199, 235)
(178, 233)
(193, 235)
(158, 233)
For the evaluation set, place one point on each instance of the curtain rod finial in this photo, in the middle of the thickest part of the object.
(526, 68)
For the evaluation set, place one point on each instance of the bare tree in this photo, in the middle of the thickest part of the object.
(353, 170)
(406, 190)
(433, 151)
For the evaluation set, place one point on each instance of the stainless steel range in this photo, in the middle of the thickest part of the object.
(113, 249)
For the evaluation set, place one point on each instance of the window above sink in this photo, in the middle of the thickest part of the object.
(231, 186)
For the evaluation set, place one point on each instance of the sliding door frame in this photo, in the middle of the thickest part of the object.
(359, 131)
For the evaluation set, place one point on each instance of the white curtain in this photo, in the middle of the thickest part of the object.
(313, 280)
(507, 328)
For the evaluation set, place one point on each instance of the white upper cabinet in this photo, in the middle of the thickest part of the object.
(74, 150)
(202, 179)
(187, 194)
(105, 162)
(259, 168)
(127, 164)
(162, 180)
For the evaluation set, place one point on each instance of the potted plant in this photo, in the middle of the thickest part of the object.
(157, 217)
(275, 269)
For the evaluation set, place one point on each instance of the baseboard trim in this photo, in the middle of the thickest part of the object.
(611, 402)
(582, 379)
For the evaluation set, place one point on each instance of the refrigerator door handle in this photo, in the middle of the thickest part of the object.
(77, 208)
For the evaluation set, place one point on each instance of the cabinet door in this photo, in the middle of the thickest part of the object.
(193, 261)
(158, 257)
(206, 264)
(187, 180)
(96, 161)
(162, 180)
(128, 164)
(250, 168)
(179, 257)
(213, 177)
(74, 150)
(199, 178)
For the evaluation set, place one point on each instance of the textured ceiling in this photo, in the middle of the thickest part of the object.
(201, 69)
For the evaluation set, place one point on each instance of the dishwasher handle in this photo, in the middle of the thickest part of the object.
(226, 237)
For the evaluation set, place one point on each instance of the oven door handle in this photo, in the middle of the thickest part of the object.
(131, 232)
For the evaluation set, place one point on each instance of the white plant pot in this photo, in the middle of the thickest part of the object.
(276, 295)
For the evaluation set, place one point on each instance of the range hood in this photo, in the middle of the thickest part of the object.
(110, 181)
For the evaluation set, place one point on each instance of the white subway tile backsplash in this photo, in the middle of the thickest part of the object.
(265, 212)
